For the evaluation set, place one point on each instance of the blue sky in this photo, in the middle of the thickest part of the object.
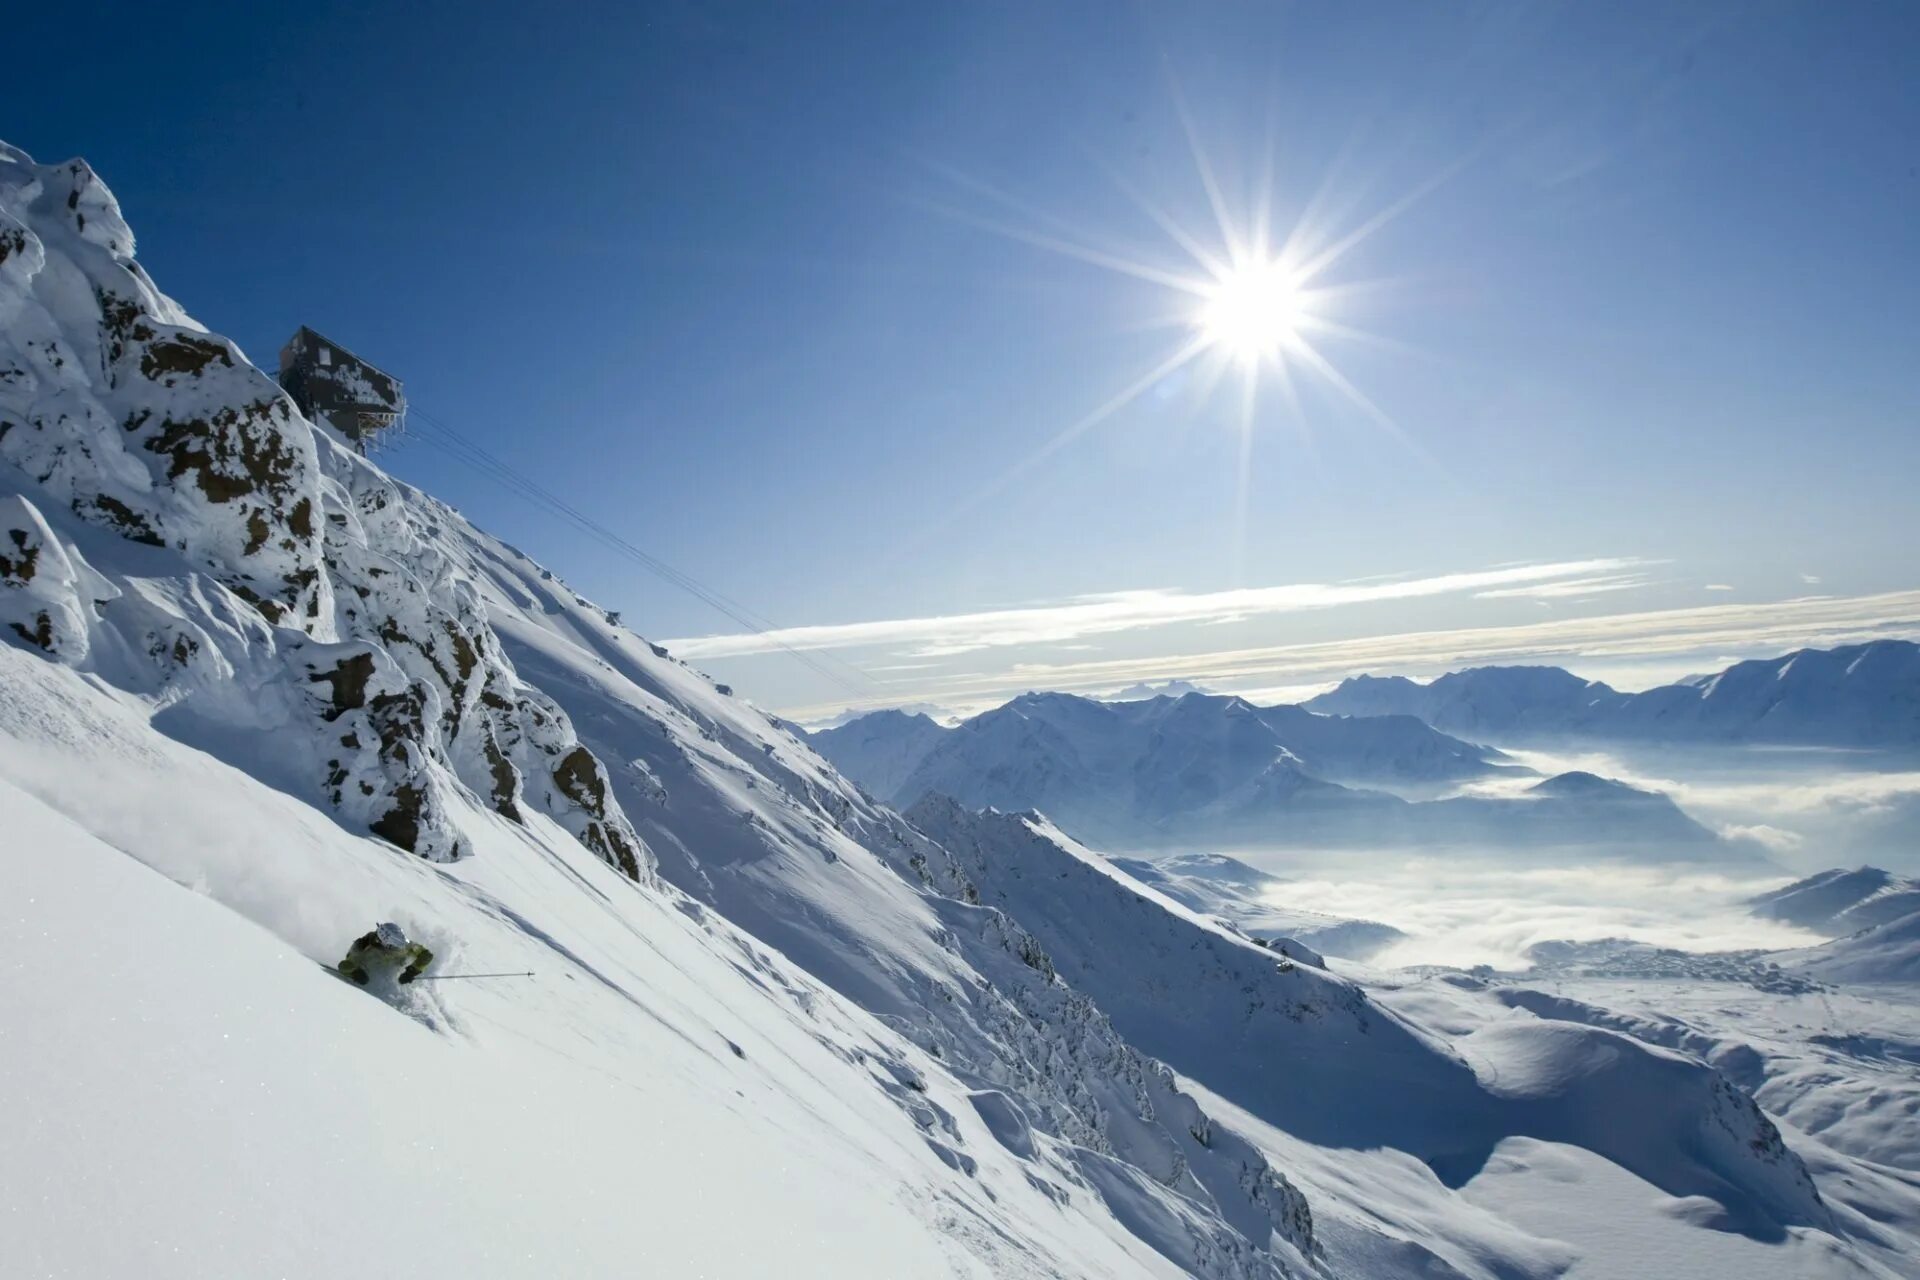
(756, 286)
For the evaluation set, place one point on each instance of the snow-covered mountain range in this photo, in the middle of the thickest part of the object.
(256, 695)
(1179, 770)
(1862, 695)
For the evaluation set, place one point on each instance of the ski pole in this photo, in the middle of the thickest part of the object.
(455, 977)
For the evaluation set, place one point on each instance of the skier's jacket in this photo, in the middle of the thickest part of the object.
(385, 950)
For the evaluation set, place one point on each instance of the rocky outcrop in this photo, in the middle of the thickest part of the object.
(345, 616)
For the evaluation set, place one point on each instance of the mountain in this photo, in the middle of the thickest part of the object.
(879, 749)
(1215, 741)
(310, 697)
(1146, 689)
(932, 711)
(1841, 902)
(1111, 770)
(1863, 695)
(1481, 700)
(1170, 771)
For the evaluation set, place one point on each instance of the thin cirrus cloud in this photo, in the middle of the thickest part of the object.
(1572, 589)
(951, 634)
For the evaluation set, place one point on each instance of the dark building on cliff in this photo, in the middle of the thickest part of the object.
(328, 381)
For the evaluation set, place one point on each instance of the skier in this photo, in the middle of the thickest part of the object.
(385, 950)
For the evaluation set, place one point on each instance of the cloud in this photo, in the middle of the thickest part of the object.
(1778, 839)
(1719, 586)
(1811, 579)
(1489, 911)
(1722, 629)
(1571, 589)
(952, 634)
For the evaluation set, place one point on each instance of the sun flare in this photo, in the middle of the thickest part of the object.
(1259, 300)
(1253, 311)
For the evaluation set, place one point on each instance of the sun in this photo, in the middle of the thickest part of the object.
(1253, 311)
(1256, 296)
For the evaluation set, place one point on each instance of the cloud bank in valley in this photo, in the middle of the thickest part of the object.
(1468, 913)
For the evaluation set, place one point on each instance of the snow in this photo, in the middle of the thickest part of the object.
(274, 1121)
(1834, 1064)
(305, 1104)
(1887, 952)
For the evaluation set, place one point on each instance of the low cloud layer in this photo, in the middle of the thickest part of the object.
(1490, 913)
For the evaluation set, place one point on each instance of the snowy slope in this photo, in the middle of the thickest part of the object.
(202, 582)
(284, 600)
(663, 1096)
(1888, 952)
(1863, 695)
(744, 817)
(1834, 1066)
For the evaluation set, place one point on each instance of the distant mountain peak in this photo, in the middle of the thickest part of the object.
(1578, 782)
(1148, 689)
